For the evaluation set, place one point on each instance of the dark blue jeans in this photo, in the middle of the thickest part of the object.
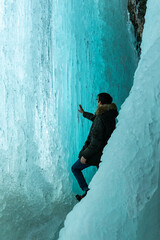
(76, 169)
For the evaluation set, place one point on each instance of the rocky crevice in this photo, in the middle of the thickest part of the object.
(137, 10)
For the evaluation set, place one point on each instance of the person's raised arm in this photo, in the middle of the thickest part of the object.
(87, 115)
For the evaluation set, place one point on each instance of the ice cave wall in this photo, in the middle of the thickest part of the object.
(54, 55)
(32, 178)
(124, 200)
(93, 51)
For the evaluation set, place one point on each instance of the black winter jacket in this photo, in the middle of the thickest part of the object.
(102, 127)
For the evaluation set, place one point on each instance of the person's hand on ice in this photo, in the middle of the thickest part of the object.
(81, 109)
(83, 160)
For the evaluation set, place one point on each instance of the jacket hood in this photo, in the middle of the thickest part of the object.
(106, 107)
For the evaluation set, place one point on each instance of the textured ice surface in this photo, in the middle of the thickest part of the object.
(124, 200)
(34, 181)
(91, 54)
(54, 55)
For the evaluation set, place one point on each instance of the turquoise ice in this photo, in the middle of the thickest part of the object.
(55, 55)
(124, 199)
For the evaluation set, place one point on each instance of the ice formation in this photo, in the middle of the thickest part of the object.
(124, 199)
(54, 56)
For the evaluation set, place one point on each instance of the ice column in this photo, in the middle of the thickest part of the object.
(34, 182)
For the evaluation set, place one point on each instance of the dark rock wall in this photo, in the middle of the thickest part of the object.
(137, 10)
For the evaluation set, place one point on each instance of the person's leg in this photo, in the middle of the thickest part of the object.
(76, 169)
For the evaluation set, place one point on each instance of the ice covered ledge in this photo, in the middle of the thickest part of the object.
(125, 197)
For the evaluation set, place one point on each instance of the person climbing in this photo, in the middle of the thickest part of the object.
(102, 127)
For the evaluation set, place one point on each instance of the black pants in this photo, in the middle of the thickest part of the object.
(77, 171)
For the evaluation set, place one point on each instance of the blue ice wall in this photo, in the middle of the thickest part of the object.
(124, 198)
(54, 56)
(92, 52)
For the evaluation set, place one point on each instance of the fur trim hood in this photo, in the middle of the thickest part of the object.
(105, 107)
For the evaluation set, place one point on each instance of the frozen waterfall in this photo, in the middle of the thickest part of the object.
(124, 201)
(55, 55)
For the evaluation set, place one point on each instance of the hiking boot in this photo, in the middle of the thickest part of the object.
(79, 197)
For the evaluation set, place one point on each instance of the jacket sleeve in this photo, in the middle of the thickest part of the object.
(97, 139)
(89, 116)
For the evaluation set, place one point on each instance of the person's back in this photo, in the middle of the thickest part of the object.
(101, 130)
(102, 127)
(108, 114)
